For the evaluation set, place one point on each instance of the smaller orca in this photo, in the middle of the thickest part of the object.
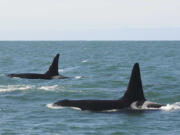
(132, 99)
(52, 72)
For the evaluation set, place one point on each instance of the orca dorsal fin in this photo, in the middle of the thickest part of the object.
(53, 69)
(134, 90)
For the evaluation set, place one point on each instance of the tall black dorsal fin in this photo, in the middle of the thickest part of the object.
(53, 69)
(134, 90)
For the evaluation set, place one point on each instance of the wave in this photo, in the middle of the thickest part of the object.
(68, 69)
(78, 77)
(8, 88)
(84, 61)
(49, 88)
(171, 107)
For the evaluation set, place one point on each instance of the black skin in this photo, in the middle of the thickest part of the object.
(94, 105)
(36, 76)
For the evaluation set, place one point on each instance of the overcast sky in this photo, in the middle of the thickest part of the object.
(89, 19)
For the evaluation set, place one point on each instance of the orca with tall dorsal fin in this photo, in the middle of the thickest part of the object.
(133, 98)
(52, 72)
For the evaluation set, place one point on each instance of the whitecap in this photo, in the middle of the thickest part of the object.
(78, 77)
(49, 88)
(8, 88)
(67, 69)
(171, 107)
(84, 61)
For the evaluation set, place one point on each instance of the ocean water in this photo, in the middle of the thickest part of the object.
(98, 70)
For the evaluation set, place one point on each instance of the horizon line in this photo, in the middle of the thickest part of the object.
(80, 40)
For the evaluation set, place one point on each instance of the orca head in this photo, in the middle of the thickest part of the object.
(53, 69)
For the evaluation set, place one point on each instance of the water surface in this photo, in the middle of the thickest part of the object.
(99, 70)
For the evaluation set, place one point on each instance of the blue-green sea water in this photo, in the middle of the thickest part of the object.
(98, 70)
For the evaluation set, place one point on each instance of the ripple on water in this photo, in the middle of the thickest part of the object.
(8, 88)
(78, 77)
(49, 88)
(84, 61)
(68, 69)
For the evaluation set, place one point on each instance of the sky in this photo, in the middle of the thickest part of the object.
(89, 19)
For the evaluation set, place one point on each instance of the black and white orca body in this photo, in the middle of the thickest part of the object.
(52, 72)
(133, 98)
(143, 105)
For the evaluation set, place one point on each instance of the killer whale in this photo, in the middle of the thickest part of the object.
(132, 99)
(52, 72)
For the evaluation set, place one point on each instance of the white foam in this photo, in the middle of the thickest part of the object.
(171, 107)
(8, 88)
(84, 61)
(78, 77)
(49, 88)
